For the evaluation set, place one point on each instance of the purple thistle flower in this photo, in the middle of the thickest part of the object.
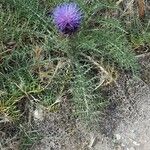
(67, 17)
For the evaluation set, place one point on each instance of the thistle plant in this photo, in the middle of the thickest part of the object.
(80, 65)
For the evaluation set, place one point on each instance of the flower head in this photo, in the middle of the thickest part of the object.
(67, 17)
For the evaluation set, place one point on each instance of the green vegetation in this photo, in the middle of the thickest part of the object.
(39, 65)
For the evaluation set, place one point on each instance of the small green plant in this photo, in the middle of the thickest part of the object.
(28, 138)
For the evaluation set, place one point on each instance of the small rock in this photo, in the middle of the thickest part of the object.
(135, 143)
(132, 148)
(38, 114)
(118, 137)
(122, 145)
